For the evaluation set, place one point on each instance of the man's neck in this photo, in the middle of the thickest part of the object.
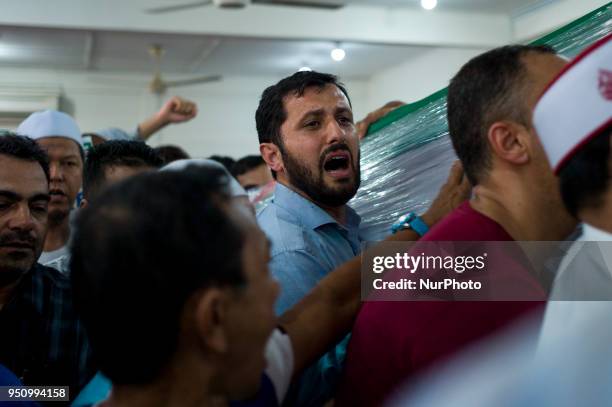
(57, 235)
(336, 212)
(522, 210)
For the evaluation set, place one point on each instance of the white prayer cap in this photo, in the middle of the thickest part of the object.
(178, 165)
(50, 123)
(577, 105)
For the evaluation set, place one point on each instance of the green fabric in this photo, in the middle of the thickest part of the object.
(407, 154)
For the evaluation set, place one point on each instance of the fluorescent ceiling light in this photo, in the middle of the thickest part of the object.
(338, 54)
(429, 4)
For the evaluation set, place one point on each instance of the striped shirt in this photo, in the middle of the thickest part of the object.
(41, 339)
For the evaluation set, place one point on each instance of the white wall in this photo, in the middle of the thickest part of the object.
(225, 124)
(417, 78)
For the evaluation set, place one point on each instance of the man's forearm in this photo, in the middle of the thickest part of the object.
(149, 127)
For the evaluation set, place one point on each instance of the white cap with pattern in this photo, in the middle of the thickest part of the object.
(577, 105)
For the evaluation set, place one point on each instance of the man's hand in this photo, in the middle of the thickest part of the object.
(177, 110)
(363, 125)
(455, 191)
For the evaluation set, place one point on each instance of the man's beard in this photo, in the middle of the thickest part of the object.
(302, 178)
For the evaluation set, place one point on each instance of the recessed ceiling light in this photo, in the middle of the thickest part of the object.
(338, 54)
(429, 4)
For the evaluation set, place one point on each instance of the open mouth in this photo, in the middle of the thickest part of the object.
(337, 164)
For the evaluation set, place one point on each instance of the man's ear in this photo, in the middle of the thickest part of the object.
(211, 319)
(509, 142)
(272, 156)
(83, 203)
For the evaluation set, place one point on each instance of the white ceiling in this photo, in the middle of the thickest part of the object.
(105, 51)
(256, 41)
(487, 6)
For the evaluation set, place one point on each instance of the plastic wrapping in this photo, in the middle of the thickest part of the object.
(407, 155)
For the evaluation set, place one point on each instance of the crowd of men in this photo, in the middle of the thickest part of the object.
(178, 281)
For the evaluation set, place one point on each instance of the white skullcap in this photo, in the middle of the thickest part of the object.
(50, 123)
(178, 165)
(577, 105)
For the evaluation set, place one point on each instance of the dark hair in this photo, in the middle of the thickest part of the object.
(139, 253)
(271, 113)
(490, 87)
(228, 162)
(115, 152)
(24, 148)
(246, 164)
(585, 177)
(169, 153)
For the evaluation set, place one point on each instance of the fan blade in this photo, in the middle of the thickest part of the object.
(300, 3)
(193, 81)
(184, 6)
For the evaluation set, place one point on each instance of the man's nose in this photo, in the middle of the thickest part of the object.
(55, 172)
(22, 218)
(335, 133)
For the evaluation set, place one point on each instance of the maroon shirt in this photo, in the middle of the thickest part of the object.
(391, 341)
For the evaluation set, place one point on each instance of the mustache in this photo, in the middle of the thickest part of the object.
(17, 237)
(334, 148)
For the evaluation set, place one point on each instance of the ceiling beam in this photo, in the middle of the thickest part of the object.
(385, 25)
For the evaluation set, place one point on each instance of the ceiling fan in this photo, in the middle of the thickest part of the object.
(159, 86)
(235, 4)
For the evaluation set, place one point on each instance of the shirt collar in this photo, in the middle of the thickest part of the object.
(593, 234)
(311, 215)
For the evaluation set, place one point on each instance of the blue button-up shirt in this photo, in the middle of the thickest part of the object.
(307, 243)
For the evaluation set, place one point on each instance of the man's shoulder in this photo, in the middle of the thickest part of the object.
(273, 213)
(466, 224)
(283, 228)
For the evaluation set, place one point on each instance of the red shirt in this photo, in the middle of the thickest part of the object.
(391, 341)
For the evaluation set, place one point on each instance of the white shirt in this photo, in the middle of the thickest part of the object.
(582, 287)
(49, 257)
